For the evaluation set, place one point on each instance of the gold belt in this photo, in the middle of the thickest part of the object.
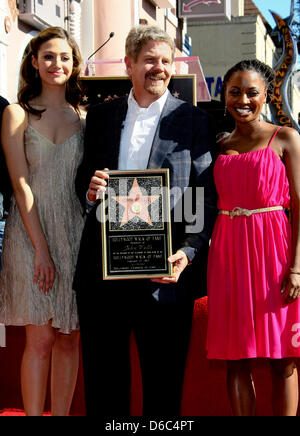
(238, 211)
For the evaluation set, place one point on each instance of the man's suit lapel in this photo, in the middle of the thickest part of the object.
(161, 144)
(117, 123)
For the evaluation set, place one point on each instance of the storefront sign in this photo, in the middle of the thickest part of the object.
(214, 86)
(205, 9)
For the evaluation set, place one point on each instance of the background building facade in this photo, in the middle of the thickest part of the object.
(219, 33)
(89, 21)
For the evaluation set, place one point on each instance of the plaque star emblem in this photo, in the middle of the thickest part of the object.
(136, 204)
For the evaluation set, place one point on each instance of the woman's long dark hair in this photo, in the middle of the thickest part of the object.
(31, 85)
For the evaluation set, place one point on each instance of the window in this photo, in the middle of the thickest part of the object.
(57, 11)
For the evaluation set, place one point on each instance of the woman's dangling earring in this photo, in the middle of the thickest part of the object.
(225, 111)
(36, 73)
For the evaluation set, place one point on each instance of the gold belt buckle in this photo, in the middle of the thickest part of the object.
(238, 211)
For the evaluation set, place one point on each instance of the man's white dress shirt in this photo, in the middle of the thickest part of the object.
(138, 132)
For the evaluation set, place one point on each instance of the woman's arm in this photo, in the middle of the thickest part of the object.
(291, 148)
(13, 127)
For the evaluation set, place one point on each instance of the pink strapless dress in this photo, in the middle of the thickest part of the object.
(248, 258)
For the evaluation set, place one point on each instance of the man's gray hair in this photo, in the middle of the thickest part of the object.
(140, 35)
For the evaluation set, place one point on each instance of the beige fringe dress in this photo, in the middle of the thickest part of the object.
(52, 180)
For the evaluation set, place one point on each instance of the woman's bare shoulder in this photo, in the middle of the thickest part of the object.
(288, 133)
(15, 113)
(82, 114)
(289, 139)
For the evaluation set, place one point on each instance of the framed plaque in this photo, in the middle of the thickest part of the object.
(136, 228)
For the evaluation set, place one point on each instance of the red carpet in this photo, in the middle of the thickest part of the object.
(204, 392)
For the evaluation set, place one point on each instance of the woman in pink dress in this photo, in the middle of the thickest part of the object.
(254, 258)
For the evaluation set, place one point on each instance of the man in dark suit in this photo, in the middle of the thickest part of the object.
(149, 129)
(5, 185)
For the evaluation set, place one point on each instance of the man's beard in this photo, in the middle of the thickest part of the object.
(156, 88)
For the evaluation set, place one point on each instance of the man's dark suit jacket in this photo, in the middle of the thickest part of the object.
(183, 142)
(5, 185)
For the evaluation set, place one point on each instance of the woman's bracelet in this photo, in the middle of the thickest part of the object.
(294, 272)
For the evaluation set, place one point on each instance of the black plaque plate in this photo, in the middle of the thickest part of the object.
(136, 230)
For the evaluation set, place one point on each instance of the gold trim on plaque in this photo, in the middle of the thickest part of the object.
(166, 227)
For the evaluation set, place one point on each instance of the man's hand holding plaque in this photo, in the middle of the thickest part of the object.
(97, 185)
(179, 261)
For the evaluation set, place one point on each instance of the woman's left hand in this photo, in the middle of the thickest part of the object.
(179, 261)
(291, 287)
